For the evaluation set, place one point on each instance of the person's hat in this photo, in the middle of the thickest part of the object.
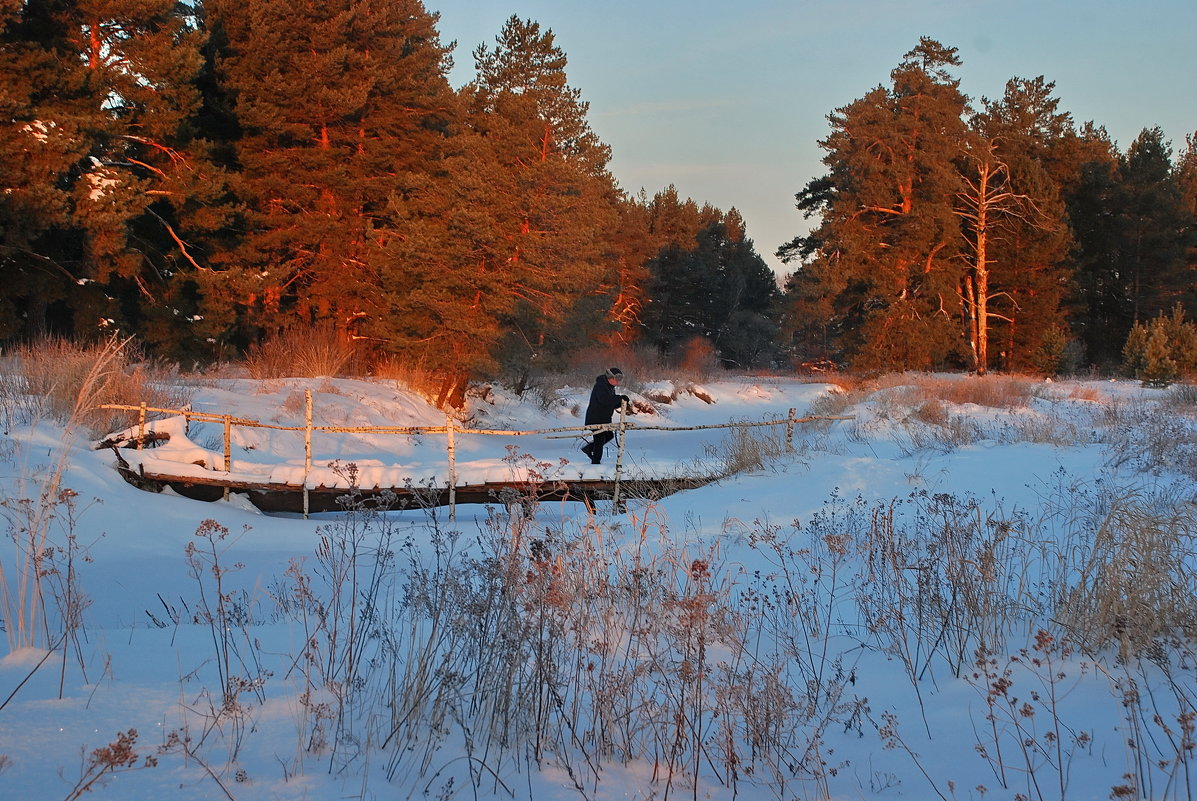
(614, 372)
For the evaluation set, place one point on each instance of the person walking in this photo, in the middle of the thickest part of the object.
(603, 403)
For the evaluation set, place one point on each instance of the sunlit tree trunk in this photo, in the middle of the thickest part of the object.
(986, 199)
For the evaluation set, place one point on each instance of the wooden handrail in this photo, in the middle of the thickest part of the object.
(499, 432)
(450, 429)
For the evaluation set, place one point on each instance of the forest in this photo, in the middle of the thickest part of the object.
(211, 176)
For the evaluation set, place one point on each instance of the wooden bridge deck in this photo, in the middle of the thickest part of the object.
(281, 497)
(272, 497)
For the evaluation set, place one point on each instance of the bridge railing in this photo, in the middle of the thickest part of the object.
(450, 430)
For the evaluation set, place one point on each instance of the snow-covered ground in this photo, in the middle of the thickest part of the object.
(914, 603)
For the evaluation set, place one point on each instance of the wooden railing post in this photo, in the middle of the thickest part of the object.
(228, 449)
(307, 447)
(618, 458)
(790, 431)
(452, 446)
(141, 426)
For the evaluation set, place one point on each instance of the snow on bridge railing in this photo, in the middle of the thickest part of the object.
(450, 430)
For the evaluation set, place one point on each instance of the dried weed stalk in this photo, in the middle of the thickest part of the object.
(1134, 581)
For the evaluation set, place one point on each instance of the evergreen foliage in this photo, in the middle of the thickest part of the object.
(717, 289)
(340, 106)
(1049, 358)
(1053, 228)
(1021, 141)
(1163, 350)
(98, 159)
(207, 175)
(1159, 368)
(1133, 227)
(884, 259)
(552, 197)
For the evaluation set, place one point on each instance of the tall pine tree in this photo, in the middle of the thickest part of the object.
(1129, 217)
(1029, 276)
(555, 201)
(1154, 219)
(339, 107)
(883, 262)
(94, 134)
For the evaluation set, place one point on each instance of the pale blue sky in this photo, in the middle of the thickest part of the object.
(728, 103)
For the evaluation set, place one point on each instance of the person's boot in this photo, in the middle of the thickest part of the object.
(588, 449)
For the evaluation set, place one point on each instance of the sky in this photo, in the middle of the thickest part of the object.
(728, 104)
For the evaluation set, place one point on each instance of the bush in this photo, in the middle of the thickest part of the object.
(991, 391)
(412, 374)
(308, 352)
(1135, 577)
(1159, 368)
(70, 382)
(697, 359)
(1161, 351)
(1051, 357)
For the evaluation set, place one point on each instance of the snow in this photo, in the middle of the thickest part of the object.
(755, 589)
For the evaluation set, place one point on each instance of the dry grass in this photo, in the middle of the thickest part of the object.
(638, 364)
(992, 391)
(933, 412)
(923, 397)
(1134, 585)
(749, 449)
(697, 360)
(835, 402)
(69, 381)
(415, 376)
(558, 632)
(1082, 393)
(1182, 399)
(1045, 430)
(300, 353)
(1152, 438)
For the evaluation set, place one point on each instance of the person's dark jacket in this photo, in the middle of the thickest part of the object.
(603, 401)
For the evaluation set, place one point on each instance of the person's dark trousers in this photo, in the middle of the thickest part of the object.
(595, 451)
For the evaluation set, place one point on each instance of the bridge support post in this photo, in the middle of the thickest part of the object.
(622, 433)
(228, 450)
(307, 447)
(452, 445)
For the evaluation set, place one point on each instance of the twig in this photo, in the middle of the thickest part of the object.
(41, 662)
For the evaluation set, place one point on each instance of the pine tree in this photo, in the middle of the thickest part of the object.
(883, 263)
(95, 139)
(1130, 219)
(1186, 177)
(647, 227)
(1134, 350)
(719, 290)
(339, 107)
(554, 202)
(1021, 139)
(1092, 201)
(1049, 357)
(1163, 350)
(1152, 217)
(43, 109)
(496, 258)
(1159, 368)
(1182, 340)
